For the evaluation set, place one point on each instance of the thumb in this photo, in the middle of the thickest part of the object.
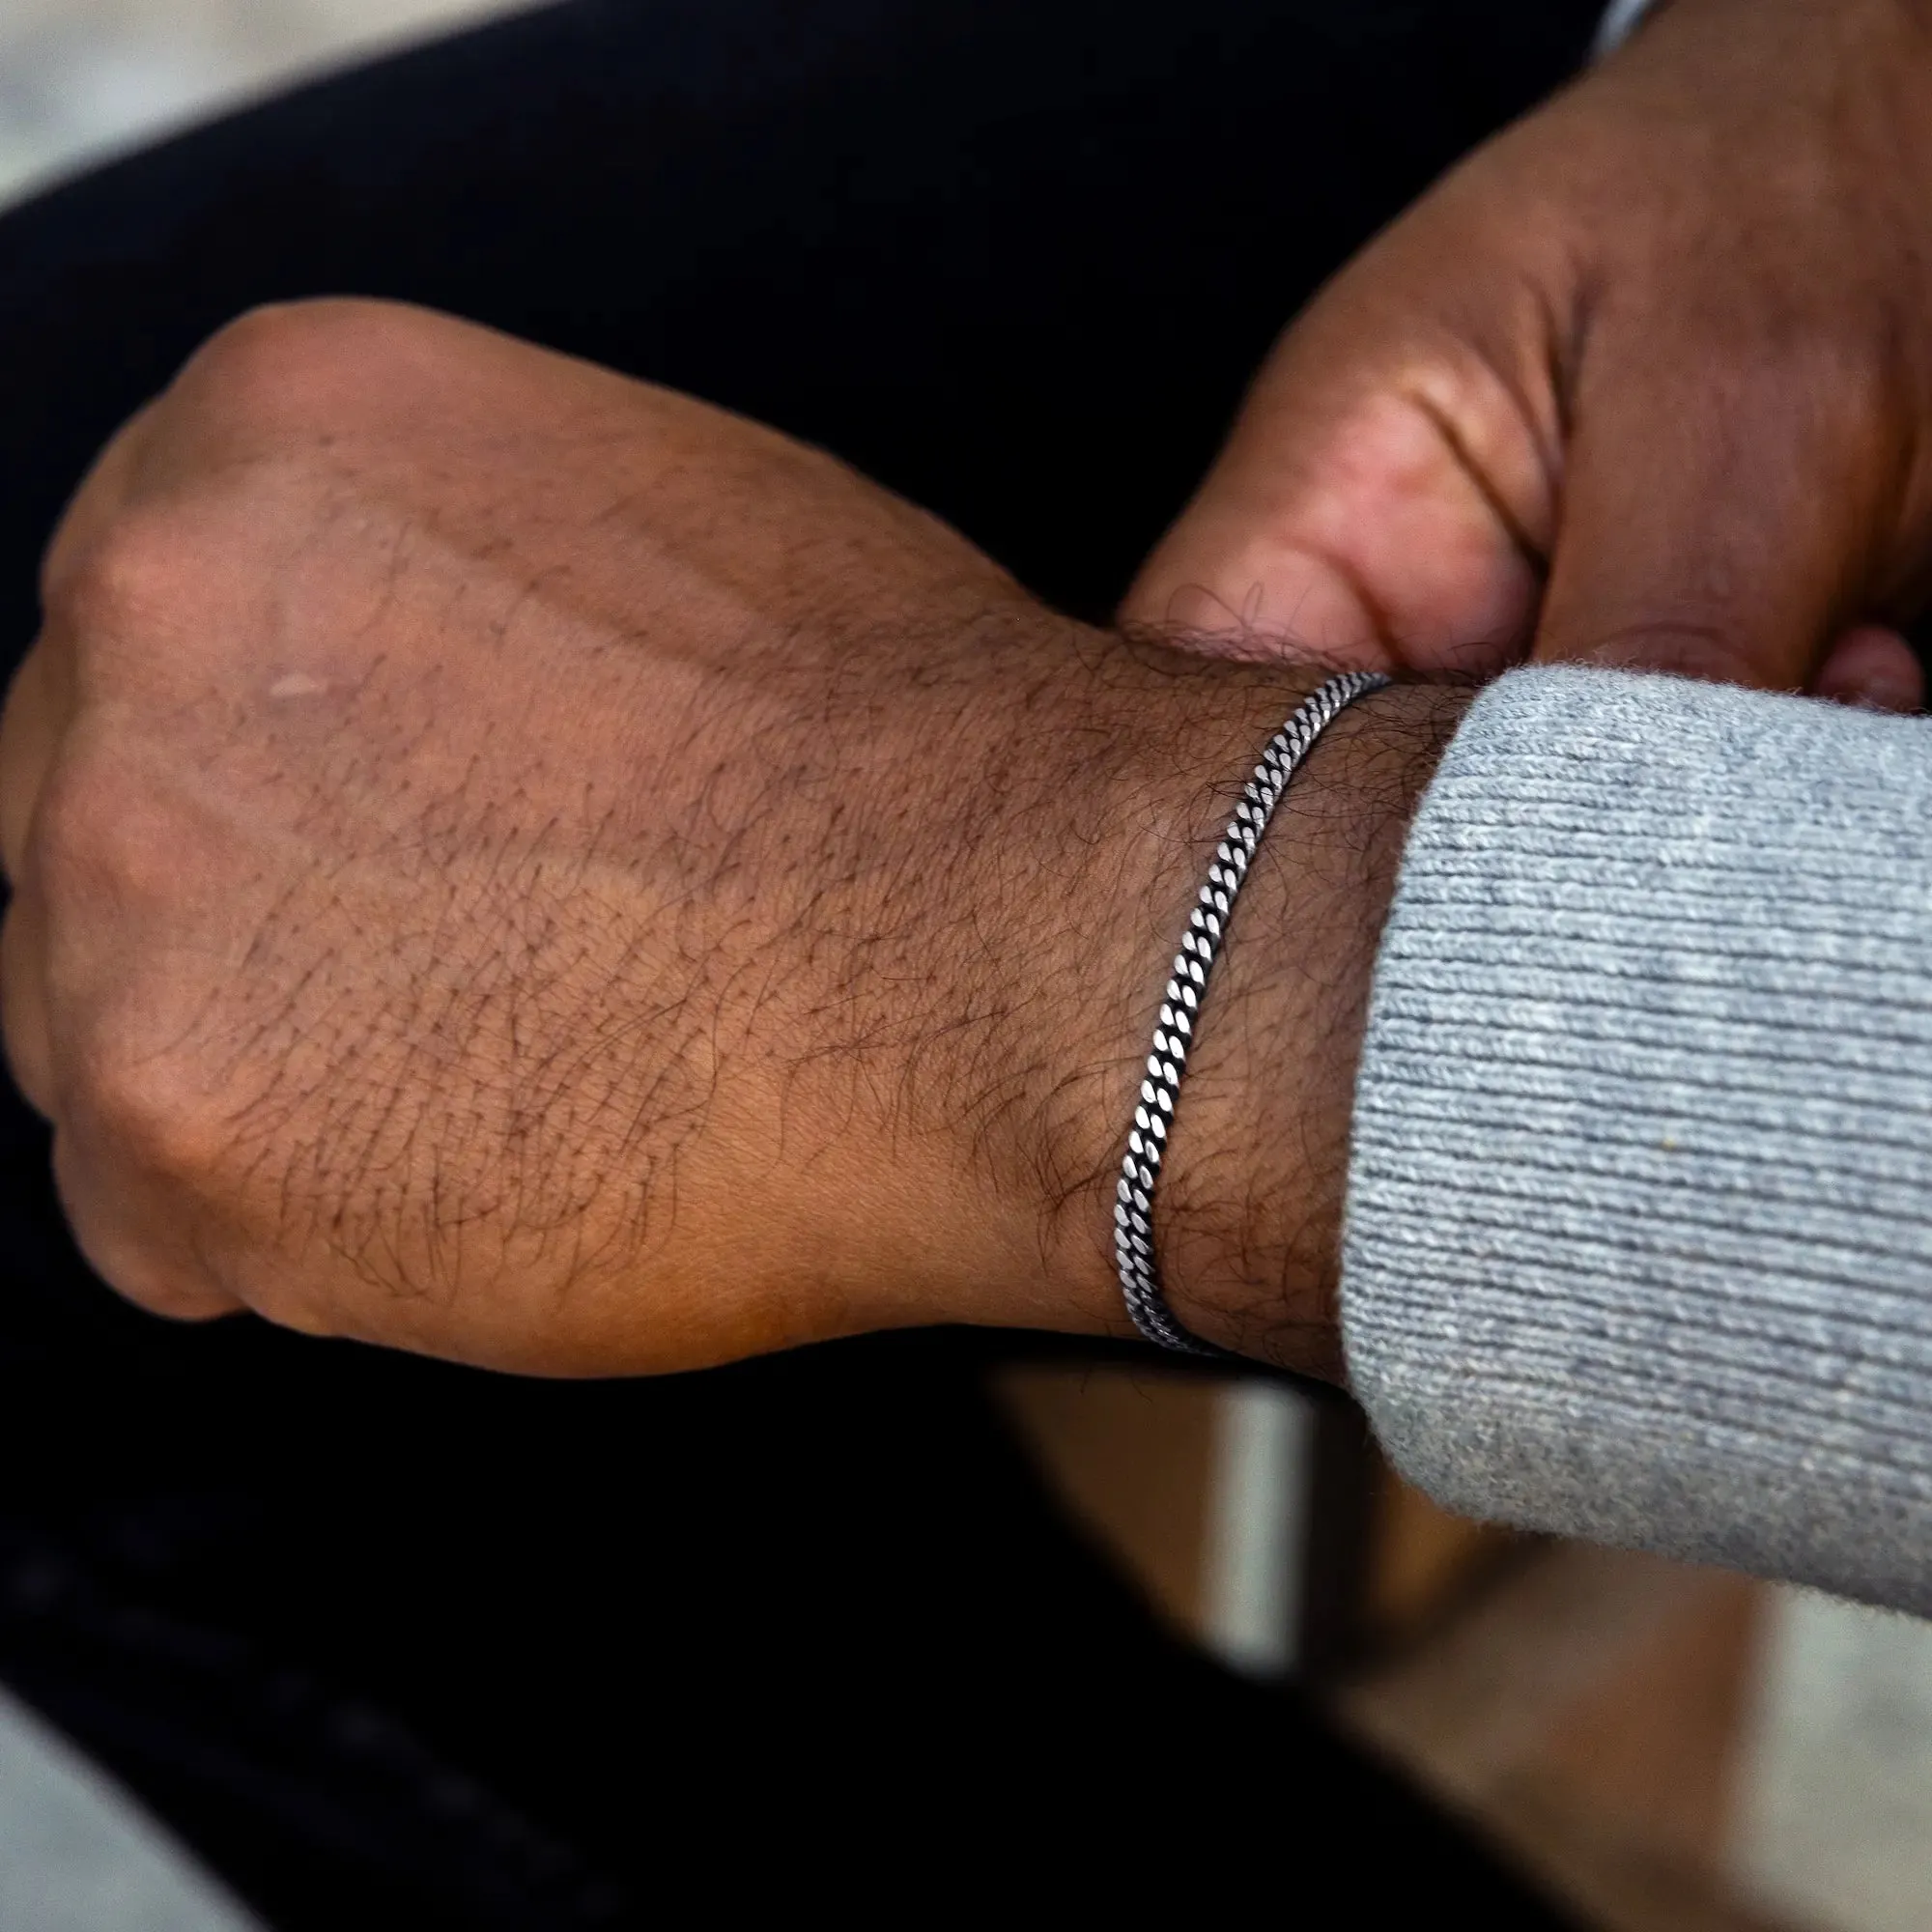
(1382, 502)
(1727, 520)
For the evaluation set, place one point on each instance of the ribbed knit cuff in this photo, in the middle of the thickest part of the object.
(1638, 1244)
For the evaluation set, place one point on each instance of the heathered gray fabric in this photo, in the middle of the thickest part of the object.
(1639, 1234)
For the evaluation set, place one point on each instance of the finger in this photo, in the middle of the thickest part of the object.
(30, 729)
(99, 502)
(135, 1245)
(25, 1022)
(1873, 665)
(1384, 500)
(1720, 519)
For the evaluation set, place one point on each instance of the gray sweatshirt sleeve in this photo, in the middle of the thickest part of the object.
(1638, 1244)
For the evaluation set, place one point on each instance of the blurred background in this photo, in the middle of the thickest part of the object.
(82, 79)
(1672, 1747)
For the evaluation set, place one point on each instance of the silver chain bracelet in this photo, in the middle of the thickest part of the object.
(1180, 1007)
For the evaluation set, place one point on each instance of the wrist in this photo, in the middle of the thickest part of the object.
(1249, 1225)
(1247, 1214)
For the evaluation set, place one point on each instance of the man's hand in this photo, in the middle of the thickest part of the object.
(1646, 381)
(513, 862)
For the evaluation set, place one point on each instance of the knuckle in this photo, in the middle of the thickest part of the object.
(284, 359)
(93, 828)
(75, 826)
(131, 578)
(257, 347)
(163, 1292)
(131, 1258)
(122, 836)
(144, 1102)
(278, 1297)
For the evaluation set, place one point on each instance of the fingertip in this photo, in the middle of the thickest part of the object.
(1871, 665)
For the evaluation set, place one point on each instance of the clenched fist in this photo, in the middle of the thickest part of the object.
(513, 862)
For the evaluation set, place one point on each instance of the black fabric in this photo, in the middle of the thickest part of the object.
(397, 1643)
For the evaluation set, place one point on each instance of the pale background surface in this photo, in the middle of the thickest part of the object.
(75, 1857)
(1834, 1814)
(82, 78)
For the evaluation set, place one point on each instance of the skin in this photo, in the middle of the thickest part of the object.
(1645, 380)
(516, 863)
